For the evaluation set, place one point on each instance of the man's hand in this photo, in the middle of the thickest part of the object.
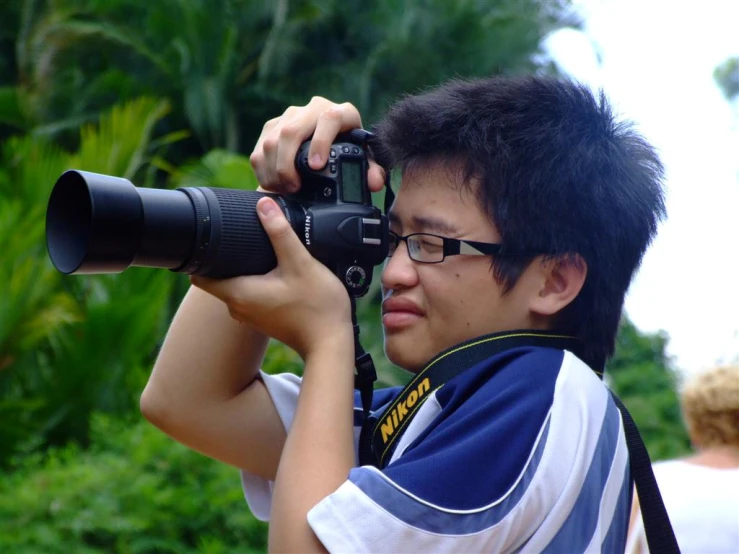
(300, 302)
(273, 158)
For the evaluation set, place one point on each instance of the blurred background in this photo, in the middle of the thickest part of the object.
(172, 93)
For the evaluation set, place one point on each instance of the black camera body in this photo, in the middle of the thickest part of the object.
(341, 227)
(102, 224)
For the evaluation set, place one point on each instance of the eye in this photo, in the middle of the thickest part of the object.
(431, 244)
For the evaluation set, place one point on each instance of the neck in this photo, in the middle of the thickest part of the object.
(724, 456)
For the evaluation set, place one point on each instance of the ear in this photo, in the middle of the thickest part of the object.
(560, 281)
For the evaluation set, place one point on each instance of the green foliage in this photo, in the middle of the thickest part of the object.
(641, 375)
(118, 143)
(218, 168)
(397, 47)
(10, 108)
(71, 345)
(133, 491)
(281, 359)
(229, 65)
(103, 362)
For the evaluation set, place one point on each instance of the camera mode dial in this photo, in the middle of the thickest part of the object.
(355, 277)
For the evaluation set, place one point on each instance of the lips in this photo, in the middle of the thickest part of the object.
(399, 313)
(394, 305)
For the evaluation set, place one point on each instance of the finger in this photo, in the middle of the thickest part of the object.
(257, 157)
(267, 151)
(292, 135)
(332, 121)
(270, 147)
(281, 145)
(375, 177)
(289, 251)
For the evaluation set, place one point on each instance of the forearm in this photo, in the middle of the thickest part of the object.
(207, 357)
(319, 451)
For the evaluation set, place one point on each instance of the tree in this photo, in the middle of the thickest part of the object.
(229, 65)
(641, 375)
(70, 346)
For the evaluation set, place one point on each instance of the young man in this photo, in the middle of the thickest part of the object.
(523, 212)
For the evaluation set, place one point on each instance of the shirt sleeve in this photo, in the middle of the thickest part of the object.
(284, 388)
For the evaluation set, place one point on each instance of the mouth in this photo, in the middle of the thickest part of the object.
(399, 313)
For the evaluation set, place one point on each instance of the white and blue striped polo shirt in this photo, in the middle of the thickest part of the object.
(524, 452)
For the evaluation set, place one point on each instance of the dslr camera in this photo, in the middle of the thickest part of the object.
(103, 224)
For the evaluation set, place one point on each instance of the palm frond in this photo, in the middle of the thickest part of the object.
(31, 166)
(32, 307)
(119, 144)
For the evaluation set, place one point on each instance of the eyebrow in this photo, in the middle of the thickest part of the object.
(426, 224)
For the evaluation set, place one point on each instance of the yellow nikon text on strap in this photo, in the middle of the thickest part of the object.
(401, 409)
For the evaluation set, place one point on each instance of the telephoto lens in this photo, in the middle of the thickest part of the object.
(102, 224)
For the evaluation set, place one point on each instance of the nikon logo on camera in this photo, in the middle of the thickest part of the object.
(400, 411)
(306, 230)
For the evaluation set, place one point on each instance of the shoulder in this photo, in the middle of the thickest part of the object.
(491, 425)
(522, 387)
(529, 374)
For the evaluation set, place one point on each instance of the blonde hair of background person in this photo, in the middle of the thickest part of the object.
(701, 492)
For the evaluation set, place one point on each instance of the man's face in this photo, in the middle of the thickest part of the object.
(430, 307)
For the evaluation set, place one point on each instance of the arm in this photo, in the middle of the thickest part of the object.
(203, 391)
(319, 451)
(305, 306)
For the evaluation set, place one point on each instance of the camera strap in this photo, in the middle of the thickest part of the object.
(380, 435)
(366, 375)
(657, 526)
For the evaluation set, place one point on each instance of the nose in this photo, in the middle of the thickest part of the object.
(399, 271)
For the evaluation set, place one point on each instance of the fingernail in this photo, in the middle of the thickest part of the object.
(316, 161)
(267, 208)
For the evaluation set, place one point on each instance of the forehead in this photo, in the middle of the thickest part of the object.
(434, 200)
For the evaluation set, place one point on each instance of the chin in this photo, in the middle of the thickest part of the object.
(402, 354)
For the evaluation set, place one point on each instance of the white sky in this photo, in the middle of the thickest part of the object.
(656, 65)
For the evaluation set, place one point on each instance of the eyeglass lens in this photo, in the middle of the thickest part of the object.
(421, 247)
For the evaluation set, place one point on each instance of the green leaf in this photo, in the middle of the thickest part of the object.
(218, 168)
(118, 145)
(11, 112)
(31, 166)
(134, 490)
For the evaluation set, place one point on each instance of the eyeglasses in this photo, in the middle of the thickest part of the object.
(426, 248)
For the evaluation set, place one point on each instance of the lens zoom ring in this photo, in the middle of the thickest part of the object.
(244, 247)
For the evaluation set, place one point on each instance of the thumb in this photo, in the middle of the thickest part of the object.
(285, 242)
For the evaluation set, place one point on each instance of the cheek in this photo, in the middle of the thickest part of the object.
(475, 300)
(453, 299)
